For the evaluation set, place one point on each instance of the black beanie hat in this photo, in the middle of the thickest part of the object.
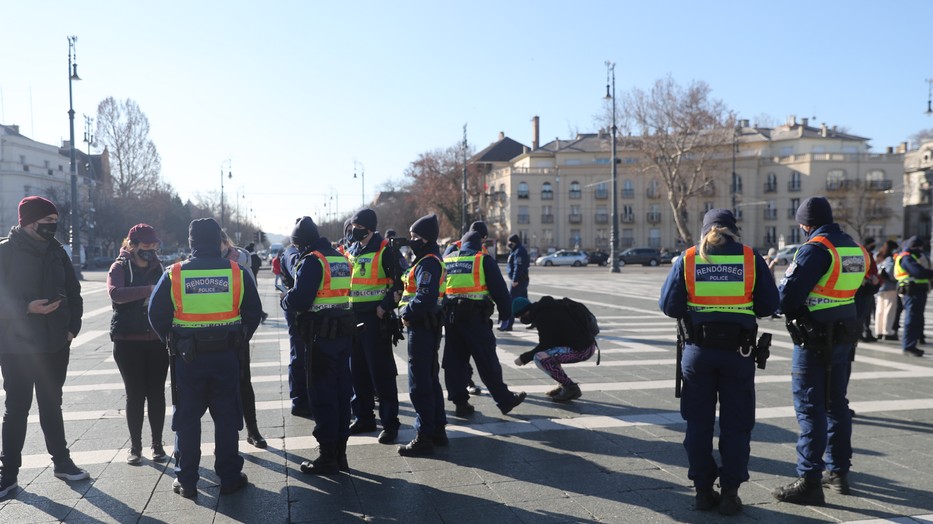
(913, 243)
(305, 232)
(366, 218)
(472, 240)
(426, 227)
(204, 233)
(390, 233)
(719, 217)
(815, 211)
(480, 227)
(516, 239)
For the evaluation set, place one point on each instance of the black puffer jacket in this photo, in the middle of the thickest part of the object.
(557, 327)
(31, 270)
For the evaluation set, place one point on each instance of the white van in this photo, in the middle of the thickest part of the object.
(274, 250)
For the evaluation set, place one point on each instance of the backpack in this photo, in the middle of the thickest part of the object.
(583, 315)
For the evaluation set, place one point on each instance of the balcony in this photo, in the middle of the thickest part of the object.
(523, 195)
(627, 219)
(601, 194)
(653, 193)
(547, 195)
(547, 219)
(628, 193)
(880, 185)
(576, 195)
(878, 213)
(770, 214)
(653, 217)
(838, 185)
(771, 187)
(524, 219)
(575, 218)
(602, 218)
(793, 186)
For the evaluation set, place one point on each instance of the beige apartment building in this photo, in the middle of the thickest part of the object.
(557, 196)
(918, 184)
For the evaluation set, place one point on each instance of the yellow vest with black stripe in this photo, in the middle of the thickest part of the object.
(903, 276)
(333, 293)
(411, 285)
(466, 278)
(206, 297)
(369, 282)
(845, 275)
(723, 283)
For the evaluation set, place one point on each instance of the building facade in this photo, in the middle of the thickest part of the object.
(918, 184)
(557, 196)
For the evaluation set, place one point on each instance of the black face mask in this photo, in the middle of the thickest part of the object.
(359, 234)
(418, 246)
(525, 318)
(149, 255)
(511, 245)
(47, 230)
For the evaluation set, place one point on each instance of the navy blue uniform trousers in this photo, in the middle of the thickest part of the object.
(374, 373)
(470, 335)
(331, 389)
(297, 381)
(211, 381)
(424, 386)
(711, 374)
(914, 305)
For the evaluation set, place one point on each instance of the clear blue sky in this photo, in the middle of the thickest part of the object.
(294, 92)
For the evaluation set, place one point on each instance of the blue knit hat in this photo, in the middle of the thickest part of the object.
(519, 306)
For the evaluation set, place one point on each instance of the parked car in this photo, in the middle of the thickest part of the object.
(600, 258)
(563, 258)
(668, 256)
(645, 256)
(786, 255)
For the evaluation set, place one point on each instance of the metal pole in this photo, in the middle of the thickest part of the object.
(735, 149)
(74, 216)
(614, 232)
(89, 138)
(221, 197)
(463, 187)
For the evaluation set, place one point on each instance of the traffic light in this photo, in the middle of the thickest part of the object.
(262, 237)
(256, 236)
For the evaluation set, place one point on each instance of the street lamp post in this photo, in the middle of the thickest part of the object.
(614, 231)
(929, 110)
(735, 150)
(75, 227)
(362, 182)
(229, 165)
(89, 173)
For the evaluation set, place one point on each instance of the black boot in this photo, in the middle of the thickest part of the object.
(837, 482)
(325, 464)
(421, 445)
(706, 498)
(804, 491)
(253, 437)
(342, 456)
(729, 502)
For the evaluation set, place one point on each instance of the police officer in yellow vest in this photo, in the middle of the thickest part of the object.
(321, 300)
(913, 284)
(716, 290)
(372, 296)
(474, 287)
(207, 309)
(420, 311)
(818, 302)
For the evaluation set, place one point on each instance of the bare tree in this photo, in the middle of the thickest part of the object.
(924, 135)
(858, 203)
(123, 129)
(684, 136)
(435, 186)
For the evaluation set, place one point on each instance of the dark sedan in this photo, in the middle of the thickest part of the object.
(645, 256)
(600, 258)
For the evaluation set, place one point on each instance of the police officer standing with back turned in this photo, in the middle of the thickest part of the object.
(818, 301)
(297, 380)
(913, 284)
(206, 309)
(321, 301)
(419, 309)
(372, 296)
(715, 291)
(517, 266)
(474, 287)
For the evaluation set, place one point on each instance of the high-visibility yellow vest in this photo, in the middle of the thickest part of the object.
(903, 276)
(206, 297)
(723, 283)
(845, 275)
(369, 282)
(466, 277)
(334, 290)
(411, 285)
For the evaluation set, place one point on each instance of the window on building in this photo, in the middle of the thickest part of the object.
(786, 151)
(876, 180)
(575, 239)
(602, 190)
(548, 239)
(835, 179)
(523, 216)
(874, 230)
(654, 189)
(792, 210)
(628, 188)
(576, 190)
(794, 183)
(736, 183)
(794, 235)
(707, 206)
(547, 192)
(654, 238)
(771, 183)
(523, 190)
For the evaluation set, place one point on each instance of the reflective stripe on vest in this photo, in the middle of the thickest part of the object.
(411, 286)
(466, 277)
(334, 290)
(838, 285)
(723, 283)
(903, 276)
(369, 282)
(206, 297)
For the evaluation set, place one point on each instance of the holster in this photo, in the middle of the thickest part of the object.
(723, 335)
(327, 325)
(460, 308)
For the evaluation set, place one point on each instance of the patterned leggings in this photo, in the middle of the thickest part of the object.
(550, 361)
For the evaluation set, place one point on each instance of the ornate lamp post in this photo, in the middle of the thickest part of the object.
(614, 231)
(362, 181)
(74, 216)
(229, 164)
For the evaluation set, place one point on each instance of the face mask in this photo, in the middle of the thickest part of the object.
(417, 245)
(359, 234)
(525, 318)
(511, 245)
(148, 255)
(47, 230)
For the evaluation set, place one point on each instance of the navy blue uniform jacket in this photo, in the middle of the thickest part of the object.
(517, 264)
(390, 264)
(494, 281)
(428, 278)
(308, 277)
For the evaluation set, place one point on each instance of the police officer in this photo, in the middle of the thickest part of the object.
(297, 382)
(913, 284)
(321, 301)
(419, 309)
(517, 266)
(818, 301)
(372, 295)
(207, 308)
(716, 290)
(474, 285)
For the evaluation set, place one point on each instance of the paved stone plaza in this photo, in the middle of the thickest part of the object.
(614, 455)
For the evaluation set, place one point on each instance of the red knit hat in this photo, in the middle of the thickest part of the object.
(143, 233)
(33, 208)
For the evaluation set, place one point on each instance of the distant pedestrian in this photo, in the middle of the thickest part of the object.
(886, 298)
(40, 314)
(137, 350)
(517, 277)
